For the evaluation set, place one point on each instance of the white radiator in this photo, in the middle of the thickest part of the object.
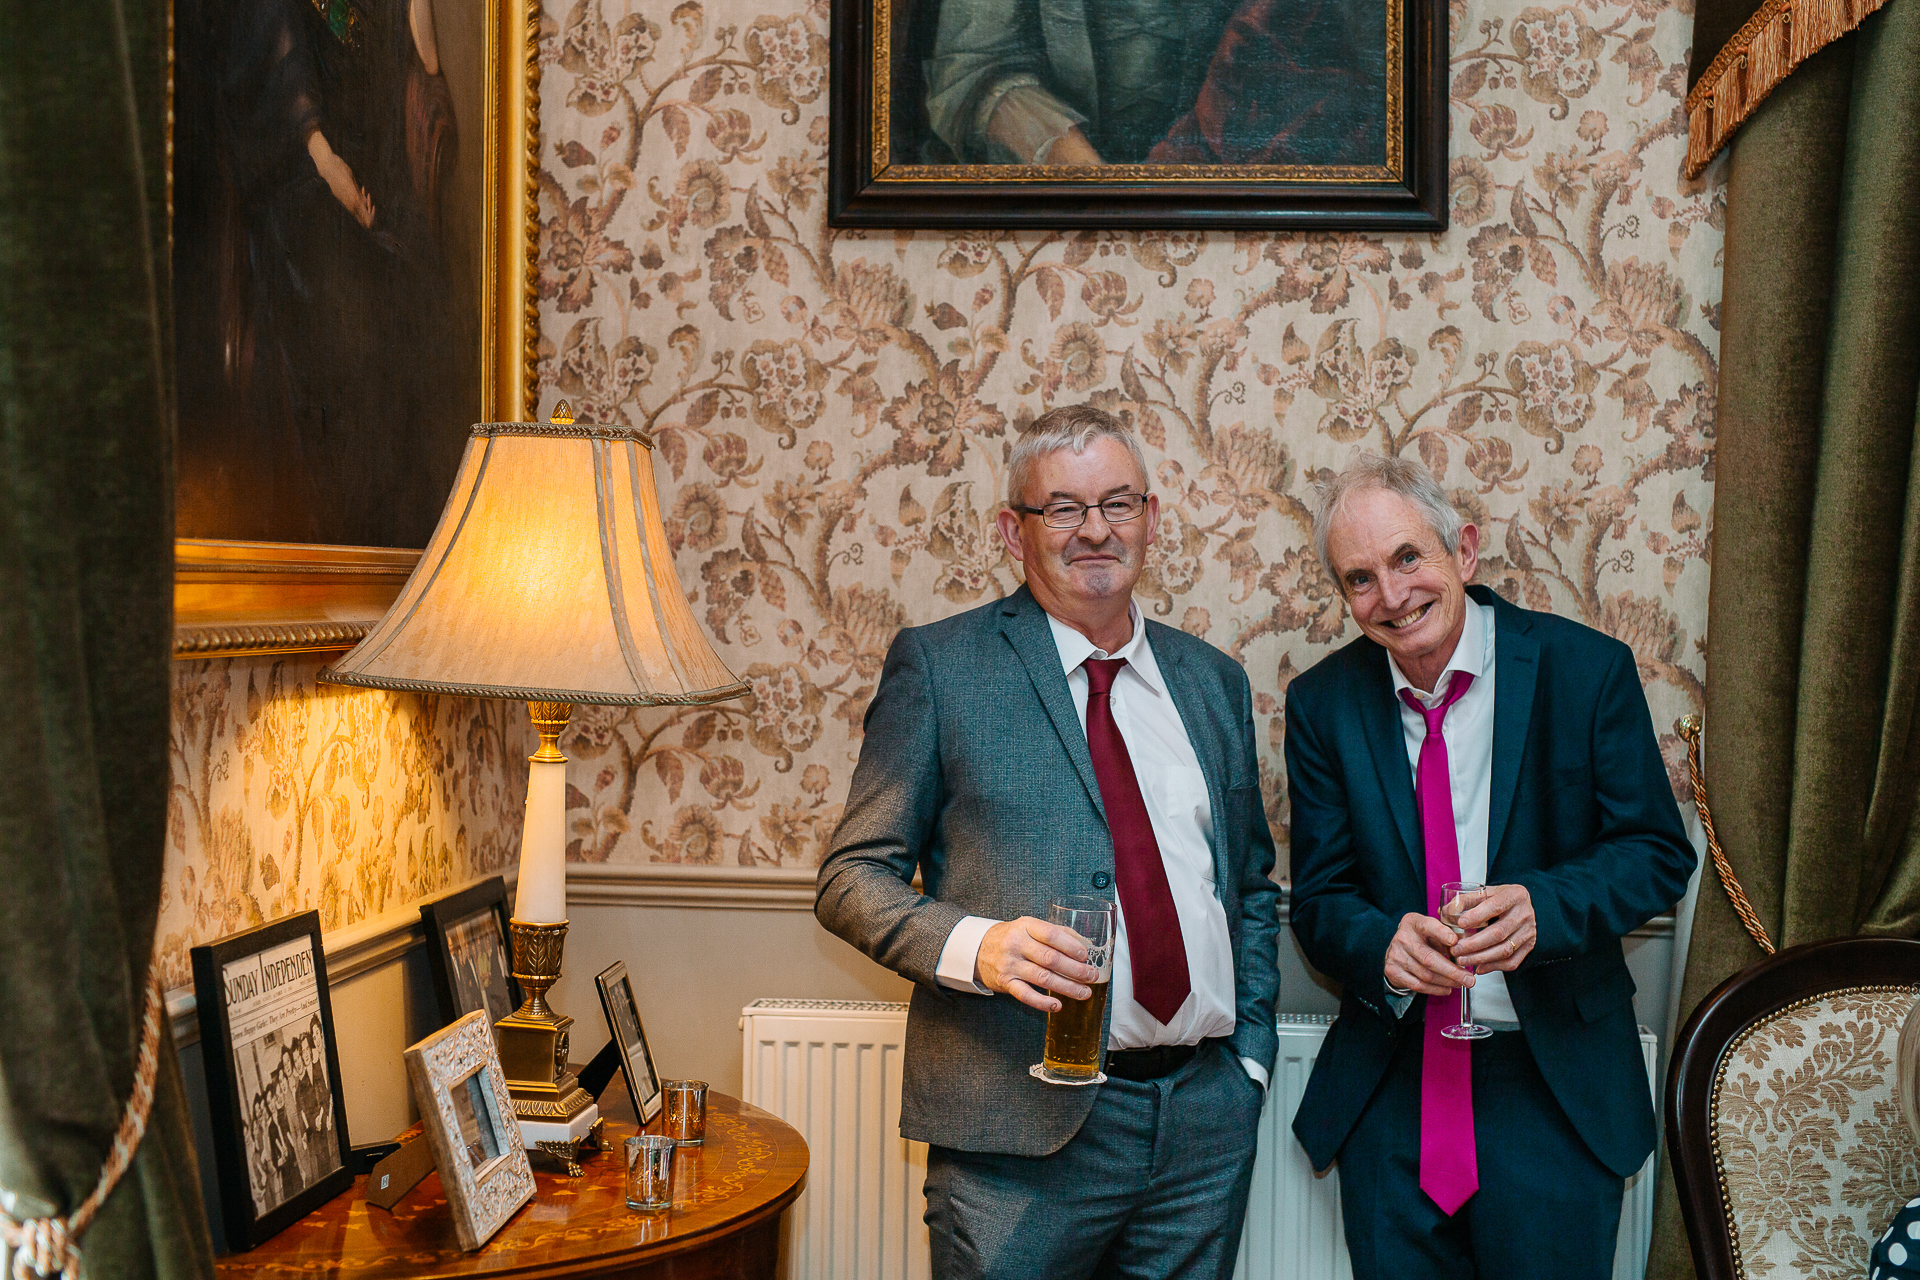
(831, 1069)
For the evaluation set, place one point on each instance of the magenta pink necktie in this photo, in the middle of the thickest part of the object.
(1155, 947)
(1449, 1167)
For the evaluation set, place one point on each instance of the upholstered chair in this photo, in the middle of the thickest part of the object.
(1784, 1122)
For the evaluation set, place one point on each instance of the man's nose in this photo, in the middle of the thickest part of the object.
(1095, 528)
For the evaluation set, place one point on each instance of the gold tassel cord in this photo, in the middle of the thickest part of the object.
(1689, 728)
(47, 1247)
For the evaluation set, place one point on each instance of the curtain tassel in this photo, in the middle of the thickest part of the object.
(1689, 728)
(45, 1247)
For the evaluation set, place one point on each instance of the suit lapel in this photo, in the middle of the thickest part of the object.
(1190, 699)
(1516, 664)
(1380, 716)
(1024, 623)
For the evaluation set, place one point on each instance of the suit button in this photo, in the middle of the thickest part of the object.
(1101, 879)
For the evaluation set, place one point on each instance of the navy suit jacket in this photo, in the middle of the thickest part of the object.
(975, 773)
(1581, 814)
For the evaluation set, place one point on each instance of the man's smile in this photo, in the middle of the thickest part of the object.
(1411, 619)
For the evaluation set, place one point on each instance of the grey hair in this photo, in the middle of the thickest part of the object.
(1075, 427)
(1407, 477)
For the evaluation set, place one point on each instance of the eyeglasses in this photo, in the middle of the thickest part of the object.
(1071, 515)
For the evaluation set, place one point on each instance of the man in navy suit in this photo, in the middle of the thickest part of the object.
(1462, 739)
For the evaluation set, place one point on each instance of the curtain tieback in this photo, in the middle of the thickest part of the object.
(1689, 727)
(44, 1247)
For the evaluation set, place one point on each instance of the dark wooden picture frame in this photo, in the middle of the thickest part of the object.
(874, 179)
(268, 988)
(630, 1035)
(235, 596)
(450, 922)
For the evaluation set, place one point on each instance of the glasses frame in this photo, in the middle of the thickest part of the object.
(1108, 516)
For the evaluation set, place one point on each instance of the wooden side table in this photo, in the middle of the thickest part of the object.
(725, 1220)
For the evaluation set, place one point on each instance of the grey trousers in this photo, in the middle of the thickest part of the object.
(1154, 1186)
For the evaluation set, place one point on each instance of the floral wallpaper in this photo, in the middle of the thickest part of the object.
(835, 409)
(290, 795)
(833, 412)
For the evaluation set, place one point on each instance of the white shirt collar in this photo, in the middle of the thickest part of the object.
(1470, 655)
(1075, 649)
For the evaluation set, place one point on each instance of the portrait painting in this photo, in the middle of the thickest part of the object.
(1137, 112)
(331, 250)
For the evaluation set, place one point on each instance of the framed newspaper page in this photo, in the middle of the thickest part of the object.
(279, 1119)
(468, 1117)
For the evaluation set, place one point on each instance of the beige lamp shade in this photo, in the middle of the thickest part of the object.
(548, 579)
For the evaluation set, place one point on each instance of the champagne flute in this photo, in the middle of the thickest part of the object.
(1457, 897)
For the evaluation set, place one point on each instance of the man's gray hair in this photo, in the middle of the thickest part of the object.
(1075, 427)
(1407, 477)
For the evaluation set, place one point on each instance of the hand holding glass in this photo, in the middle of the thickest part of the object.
(1456, 899)
(1074, 1032)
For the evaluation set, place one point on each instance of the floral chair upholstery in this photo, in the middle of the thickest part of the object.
(1789, 1148)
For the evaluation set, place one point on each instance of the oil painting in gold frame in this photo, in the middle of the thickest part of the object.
(351, 195)
(1275, 114)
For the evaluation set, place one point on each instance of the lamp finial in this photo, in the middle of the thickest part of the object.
(562, 414)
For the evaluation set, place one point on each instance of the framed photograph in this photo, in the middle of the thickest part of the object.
(623, 1020)
(1277, 114)
(468, 1117)
(468, 952)
(279, 1120)
(352, 215)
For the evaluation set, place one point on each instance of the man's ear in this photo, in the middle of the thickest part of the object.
(1008, 522)
(1469, 556)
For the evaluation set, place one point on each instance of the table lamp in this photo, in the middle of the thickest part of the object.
(547, 579)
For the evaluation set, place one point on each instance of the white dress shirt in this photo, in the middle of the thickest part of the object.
(1468, 729)
(1175, 791)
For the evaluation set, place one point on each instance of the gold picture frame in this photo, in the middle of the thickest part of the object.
(249, 598)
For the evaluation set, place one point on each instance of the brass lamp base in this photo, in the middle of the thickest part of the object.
(547, 1098)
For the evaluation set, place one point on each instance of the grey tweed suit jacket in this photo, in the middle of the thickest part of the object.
(975, 773)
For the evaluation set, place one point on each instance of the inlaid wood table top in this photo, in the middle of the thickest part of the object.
(751, 1167)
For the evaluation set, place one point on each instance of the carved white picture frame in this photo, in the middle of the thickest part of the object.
(481, 1192)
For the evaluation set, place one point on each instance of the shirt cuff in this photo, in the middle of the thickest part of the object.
(959, 958)
(1256, 1072)
(1397, 1000)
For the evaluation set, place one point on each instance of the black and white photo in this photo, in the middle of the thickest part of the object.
(623, 1021)
(272, 1076)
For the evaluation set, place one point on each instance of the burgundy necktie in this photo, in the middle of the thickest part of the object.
(1157, 951)
(1449, 1166)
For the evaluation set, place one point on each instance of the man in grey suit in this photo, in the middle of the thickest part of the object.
(1052, 743)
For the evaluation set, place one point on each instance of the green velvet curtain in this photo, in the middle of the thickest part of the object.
(86, 568)
(1813, 645)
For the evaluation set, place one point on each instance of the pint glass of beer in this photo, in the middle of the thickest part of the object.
(1074, 1033)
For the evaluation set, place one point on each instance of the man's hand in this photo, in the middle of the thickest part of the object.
(1032, 961)
(1420, 957)
(1503, 930)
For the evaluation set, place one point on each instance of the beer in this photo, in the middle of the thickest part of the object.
(1074, 1034)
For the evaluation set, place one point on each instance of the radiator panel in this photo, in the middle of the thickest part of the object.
(832, 1069)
